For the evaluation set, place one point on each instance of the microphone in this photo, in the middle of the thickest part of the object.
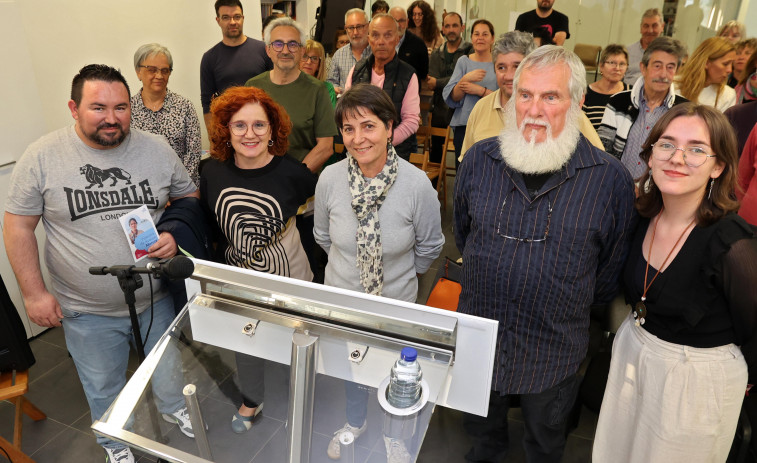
(175, 268)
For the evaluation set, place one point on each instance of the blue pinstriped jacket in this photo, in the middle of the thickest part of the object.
(536, 265)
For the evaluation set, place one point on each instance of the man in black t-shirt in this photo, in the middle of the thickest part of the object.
(555, 23)
(232, 61)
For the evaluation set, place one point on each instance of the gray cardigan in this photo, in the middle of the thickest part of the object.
(411, 230)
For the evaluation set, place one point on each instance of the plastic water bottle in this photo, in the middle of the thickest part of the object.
(405, 380)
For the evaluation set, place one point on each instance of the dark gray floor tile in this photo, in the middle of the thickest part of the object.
(70, 446)
(445, 439)
(587, 424)
(35, 433)
(84, 423)
(577, 450)
(141, 457)
(47, 356)
(52, 336)
(59, 393)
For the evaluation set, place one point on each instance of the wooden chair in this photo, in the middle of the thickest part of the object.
(451, 171)
(421, 134)
(434, 170)
(589, 54)
(13, 391)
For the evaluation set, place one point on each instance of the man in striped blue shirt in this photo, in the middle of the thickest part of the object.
(543, 221)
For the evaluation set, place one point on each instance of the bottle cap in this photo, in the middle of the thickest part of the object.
(409, 354)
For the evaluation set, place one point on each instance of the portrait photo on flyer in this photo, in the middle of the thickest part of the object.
(140, 231)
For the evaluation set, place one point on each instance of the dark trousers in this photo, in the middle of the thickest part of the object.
(545, 415)
(251, 372)
(436, 154)
(458, 135)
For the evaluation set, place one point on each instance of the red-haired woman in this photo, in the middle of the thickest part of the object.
(254, 190)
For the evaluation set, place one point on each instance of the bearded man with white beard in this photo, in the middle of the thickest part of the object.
(543, 221)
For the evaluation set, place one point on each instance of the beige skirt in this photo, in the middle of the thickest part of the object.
(668, 403)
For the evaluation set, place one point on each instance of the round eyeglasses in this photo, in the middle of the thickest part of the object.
(259, 128)
(693, 156)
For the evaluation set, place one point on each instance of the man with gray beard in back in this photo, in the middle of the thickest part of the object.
(543, 221)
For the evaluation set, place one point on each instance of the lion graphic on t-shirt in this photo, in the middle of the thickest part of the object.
(96, 176)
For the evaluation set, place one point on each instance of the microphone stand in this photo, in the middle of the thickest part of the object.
(129, 283)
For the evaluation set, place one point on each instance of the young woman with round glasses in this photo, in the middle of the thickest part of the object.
(683, 359)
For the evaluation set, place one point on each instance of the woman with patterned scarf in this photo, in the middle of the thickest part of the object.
(376, 216)
(746, 90)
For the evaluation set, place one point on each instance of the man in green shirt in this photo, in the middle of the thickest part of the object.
(304, 97)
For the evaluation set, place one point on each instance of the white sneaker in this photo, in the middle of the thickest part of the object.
(396, 452)
(120, 455)
(334, 450)
(181, 418)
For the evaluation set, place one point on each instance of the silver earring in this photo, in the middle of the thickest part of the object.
(228, 143)
(709, 195)
(648, 184)
(270, 142)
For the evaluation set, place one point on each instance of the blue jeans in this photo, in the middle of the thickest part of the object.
(545, 416)
(99, 346)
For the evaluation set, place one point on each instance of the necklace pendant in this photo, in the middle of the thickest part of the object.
(639, 312)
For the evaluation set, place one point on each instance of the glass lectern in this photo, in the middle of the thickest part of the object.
(313, 343)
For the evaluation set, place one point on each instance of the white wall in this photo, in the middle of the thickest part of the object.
(58, 38)
(748, 15)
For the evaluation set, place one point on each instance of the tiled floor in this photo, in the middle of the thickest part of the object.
(65, 436)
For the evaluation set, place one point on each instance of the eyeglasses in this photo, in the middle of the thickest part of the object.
(310, 59)
(259, 128)
(615, 64)
(357, 28)
(152, 70)
(693, 156)
(278, 46)
(530, 239)
(236, 18)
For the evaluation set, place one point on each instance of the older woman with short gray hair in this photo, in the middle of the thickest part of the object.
(157, 110)
(485, 120)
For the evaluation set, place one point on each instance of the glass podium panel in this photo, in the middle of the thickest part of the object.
(309, 363)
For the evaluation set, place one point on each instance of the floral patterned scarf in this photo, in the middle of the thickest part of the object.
(748, 91)
(367, 196)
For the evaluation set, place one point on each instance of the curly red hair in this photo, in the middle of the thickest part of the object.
(223, 108)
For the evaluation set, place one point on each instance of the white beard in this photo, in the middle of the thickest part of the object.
(529, 157)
